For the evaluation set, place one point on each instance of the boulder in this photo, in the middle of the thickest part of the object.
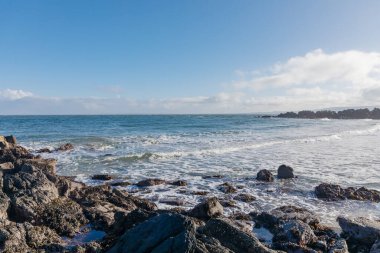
(4, 205)
(295, 231)
(227, 188)
(360, 230)
(103, 177)
(65, 147)
(339, 246)
(231, 237)
(375, 247)
(150, 182)
(265, 175)
(285, 172)
(163, 233)
(209, 208)
(245, 197)
(332, 192)
(179, 183)
(44, 150)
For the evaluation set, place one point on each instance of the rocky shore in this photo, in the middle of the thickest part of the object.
(41, 211)
(326, 114)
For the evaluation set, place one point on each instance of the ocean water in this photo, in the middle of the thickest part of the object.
(192, 147)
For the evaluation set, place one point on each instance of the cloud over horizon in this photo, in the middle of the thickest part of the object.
(315, 80)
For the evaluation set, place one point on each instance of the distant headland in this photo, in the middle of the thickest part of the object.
(329, 114)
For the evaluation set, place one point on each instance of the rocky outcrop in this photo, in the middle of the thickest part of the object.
(332, 192)
(227, 188)
(210, 208)
(344, 114)
(103, 177)
(265, 175)
(285, 172)
(150, 182)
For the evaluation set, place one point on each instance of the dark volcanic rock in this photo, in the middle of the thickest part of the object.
(227, 188)
(295, 231)
(44, 150)
(245, 197)
(162, 233)
(375, 247)
(360, 230)
(104, 177)
(63, 215)
(150, 182)
(179, 183)
(65, 147)
(231, 237)
(209, 208)
(285, 172)
(265, 175)
(333, 192)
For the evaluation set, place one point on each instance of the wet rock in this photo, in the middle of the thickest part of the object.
(227, 202)
(285, 172)
(65, 147)
(332, 192)
(179, 183)
(173, 202)
(286, 213)
(11, 139)
(209, 208)
(339, 246)
(63, 215)
(167, 233)
(265, 175)
(150, 182)
(44, 150)
(295, 231)
(360, 230)
(200, 193)
(375, 247)
(213, 177)
(240, 216)
(104, 177)
(245, 197)
(122, 184)
(227, 188)
(6, 166)
(232, 237)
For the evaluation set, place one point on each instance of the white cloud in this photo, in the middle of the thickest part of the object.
(352, 69)
(10, 94)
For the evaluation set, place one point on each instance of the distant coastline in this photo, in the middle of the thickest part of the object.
(329, 114)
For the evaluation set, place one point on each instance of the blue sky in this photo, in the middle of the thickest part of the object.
(194, 56)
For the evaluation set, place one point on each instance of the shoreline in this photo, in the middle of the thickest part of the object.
(43, 209)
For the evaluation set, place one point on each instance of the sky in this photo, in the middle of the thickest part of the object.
(190, 56)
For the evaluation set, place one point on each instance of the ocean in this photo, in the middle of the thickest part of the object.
(235, 147)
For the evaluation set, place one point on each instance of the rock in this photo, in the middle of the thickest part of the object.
(265, 175)
(375, 247)
(213, 177)
(6, 166)
(67, 185)
(339, 246)
(4, 205)
(150, 182)
(332, 192)
(163, 233)
(44, 150)
(179, 183)
(232, 237)
(65, 147)
(104, 177)
(245, 197)
(285, 172)
(63, 215)
(11, 139)
(286, 213)
(172, 202)
(47, 166)
(240, 216)
(200, 193)
(122, 184)
(360, 230)
(227, 202)
(227, 188)
(14, 153)
(295, 231)
(209, 208)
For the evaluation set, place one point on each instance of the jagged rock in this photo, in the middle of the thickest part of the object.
(339, 246)
(179, 183)
(360, 230)
(63, 215)
(265, 175)
(104, 177)
(295, 231)
(166, 233)
(232, 237)
(286, 213)
(172, 201)
(227, 188)
(66, 185)
(13, 153)
(28, 189)
(332, 192)
(285, 172)
(150, 182)
(209, 208)
(245, 197)
(46, 165)
(65, 147)
(4, 205)
(100, 203)
(44, 150)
